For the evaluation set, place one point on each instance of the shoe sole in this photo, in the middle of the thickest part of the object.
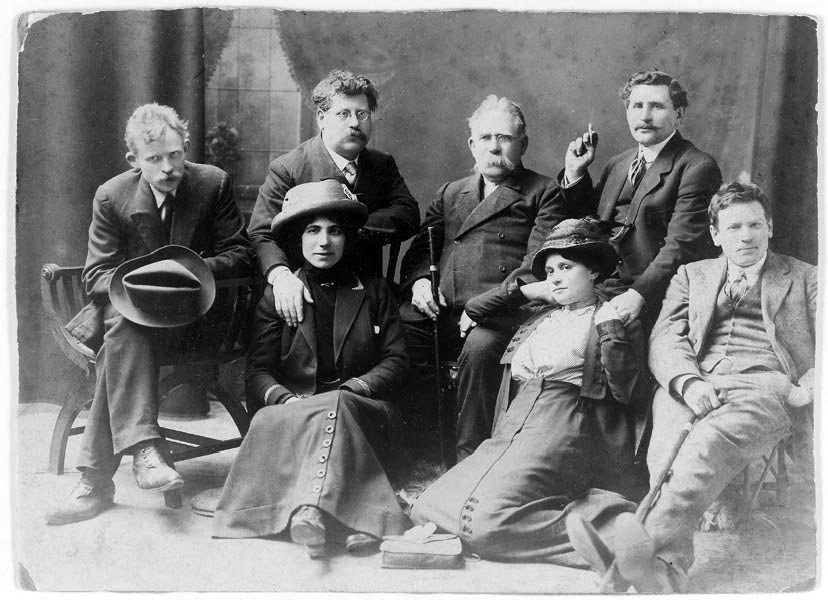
(307, 534)
(634, 549)
(175, 484)
(77, 518)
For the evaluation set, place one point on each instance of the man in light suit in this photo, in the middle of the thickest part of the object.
(733, 348)
(656, 193)
(345, 105)
(487, 227)
(162, 200)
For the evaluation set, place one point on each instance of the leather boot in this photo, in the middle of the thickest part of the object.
(359, 542)
(92, 495)
(151, 471)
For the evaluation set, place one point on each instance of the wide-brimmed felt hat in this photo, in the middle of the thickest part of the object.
(169, 287)
(319, 197)
(586, 236)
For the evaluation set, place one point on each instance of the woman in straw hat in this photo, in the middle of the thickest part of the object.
(566, 412)
(308, 466)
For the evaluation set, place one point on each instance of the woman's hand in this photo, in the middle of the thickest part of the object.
(538, 291)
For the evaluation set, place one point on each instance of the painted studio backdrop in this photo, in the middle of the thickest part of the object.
(243, 79)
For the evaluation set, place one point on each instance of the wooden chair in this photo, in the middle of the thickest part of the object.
(63, 295)
(775, 466)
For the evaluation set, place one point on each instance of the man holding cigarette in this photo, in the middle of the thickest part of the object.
(657, 195)
(486, 228)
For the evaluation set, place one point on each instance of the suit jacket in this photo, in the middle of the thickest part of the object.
(126, 224)
(789, 295)
(367, 337)
(378, 185)
(669, 209)
(481, 244)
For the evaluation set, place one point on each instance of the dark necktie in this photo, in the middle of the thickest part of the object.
(350, 172)
(637, 170)
(737, 287)
(167, 211)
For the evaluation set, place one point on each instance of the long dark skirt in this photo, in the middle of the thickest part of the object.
(510, 498)
(319, 451)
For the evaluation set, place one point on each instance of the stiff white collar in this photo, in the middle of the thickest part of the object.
(752, 272)
(651, 152)
(340, 161)
(160, 196)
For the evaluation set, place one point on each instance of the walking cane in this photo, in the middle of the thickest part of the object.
(650, 499)
(434, 271)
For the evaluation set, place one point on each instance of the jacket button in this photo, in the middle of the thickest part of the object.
(320, 473)
(323, 458)
(502, 269)
(620, 261)
(501, 235)
(326, 443)
(317, 488)
(331, 415)
(329, 429)
(456, 242)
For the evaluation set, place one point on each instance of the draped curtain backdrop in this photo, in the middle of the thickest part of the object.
(80, 77)
(751, 81)
(752, 84)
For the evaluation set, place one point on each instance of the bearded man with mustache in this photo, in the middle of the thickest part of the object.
(345, 105)
(657, 194)
(487, 227)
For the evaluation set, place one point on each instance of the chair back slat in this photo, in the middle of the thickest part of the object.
(245, 296)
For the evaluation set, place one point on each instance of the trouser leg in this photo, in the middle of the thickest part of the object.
(125, 406)
(478, 380)
(718, 447)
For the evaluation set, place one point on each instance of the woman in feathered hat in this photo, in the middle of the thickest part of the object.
(308, 466)
(564, 436)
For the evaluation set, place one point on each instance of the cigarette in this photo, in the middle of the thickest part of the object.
(591, 132)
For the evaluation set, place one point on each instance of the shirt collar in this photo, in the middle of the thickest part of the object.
(160, 196)
(752, 272)
(582, 304)
(651, 152)
(340, 161)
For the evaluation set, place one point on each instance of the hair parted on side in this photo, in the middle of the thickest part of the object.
(148, 122)
(344, 82)
(736, 192)
(492, 102)
(654, 77)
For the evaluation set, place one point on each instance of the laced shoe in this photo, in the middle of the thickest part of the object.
(151, 471)
(90, 497)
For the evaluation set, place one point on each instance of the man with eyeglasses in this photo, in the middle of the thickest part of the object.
(345, 104)
(657, 194)
(487, 226)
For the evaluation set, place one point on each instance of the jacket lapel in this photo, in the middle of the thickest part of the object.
(348, 303)
(307, 328)
(506, 194)
(702, 301)
(614, 184)
(187, 212)
(775, 286)
(145, 217)
(323, 165)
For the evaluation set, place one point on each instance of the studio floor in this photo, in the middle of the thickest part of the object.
(139, 545)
